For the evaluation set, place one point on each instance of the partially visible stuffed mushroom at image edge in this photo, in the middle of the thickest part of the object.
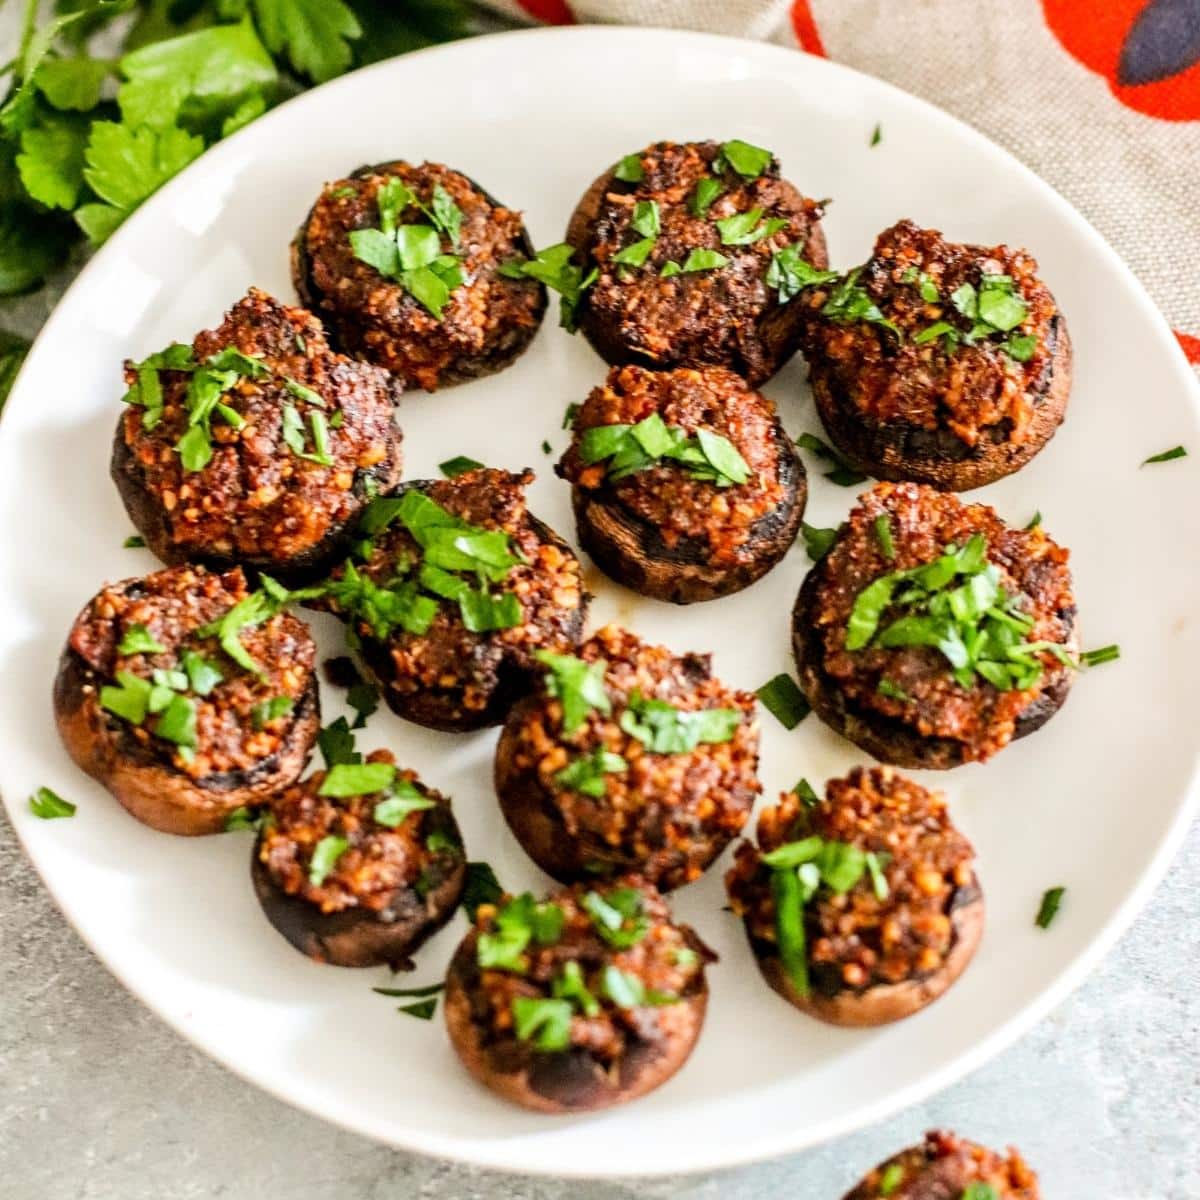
(453, 590)
(948, 1167)
(359, 865)
(590, 998)
(931, 633)
(861, 907)
(404, 262)
(938, 362)
(188, 696)
(628, 757)
(684, 484)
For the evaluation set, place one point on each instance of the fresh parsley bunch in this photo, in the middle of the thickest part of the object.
(106, 100)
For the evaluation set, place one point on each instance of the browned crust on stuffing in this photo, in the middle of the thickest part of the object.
(150, 788)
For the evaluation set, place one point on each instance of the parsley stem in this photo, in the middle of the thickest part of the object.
(28, 26)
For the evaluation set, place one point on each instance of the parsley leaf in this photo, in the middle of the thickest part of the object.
(124, 166)
(577, 684)
(664, 729)
(12, 354)
(554, 268)
(49, 805)
(314, 34)
(586, 773)
(51, 160)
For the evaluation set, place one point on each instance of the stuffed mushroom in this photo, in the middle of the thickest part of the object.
(628, 758)
(945, 1165)
(590, 998)
(689, 253)
(358, 865)
(863, 907)
(931, 633)
(943, 363)
(404, 264)
(685, 485)
(456, 587)
(187, 696)
(256, 444)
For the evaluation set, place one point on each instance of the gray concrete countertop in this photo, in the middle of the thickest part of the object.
(98, 1099)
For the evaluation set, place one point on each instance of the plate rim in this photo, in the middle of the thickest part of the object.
(493, 1155)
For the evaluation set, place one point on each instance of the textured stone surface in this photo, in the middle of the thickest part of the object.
(99, 1100)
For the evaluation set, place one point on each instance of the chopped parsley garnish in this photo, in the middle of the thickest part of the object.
(248, 612)
(618, 916)
(849, 303)
(747, 160)
(879, 884)
(569, 414)
(177, 722)
(481, 887)
(789, 273)
(957, 605)
(925, 285)
(458, 562)
(629, 169)
(703, 260)
(357, 779)
(746, 228)
(626, 990)
(554, 268)
(1166, 455)
(1103, 654)
(841, 474)
(975, 1190)
(664, 729)
(547, 448)
(518, 922)
(876, 135)
(460, 464)
(411, 255)
(578, 685)
(817, 541)
(244, 817)
(807, 794)
(893, 691)
(883, 535)
(336, 742)
(49, 805)
(262, 714)
(570, 986)
(701, 200)
(891, 1179)
(1048, 909)
(1034, 521)
(545, 1022)
(798, 870)
(139, 640)
(135, 541)
(423, 1010)
(646, 220)
(993, 308)
(413, 993)
(706, 456)
(586, 774)
(784, 701)
(325, 857)
(403, 799)
(363, 697)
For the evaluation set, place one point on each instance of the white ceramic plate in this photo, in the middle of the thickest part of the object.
(1096, 801)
